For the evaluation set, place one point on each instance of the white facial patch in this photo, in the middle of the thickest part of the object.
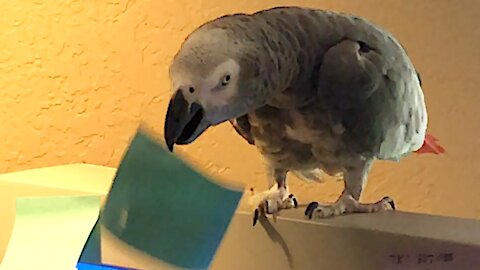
(213, 92)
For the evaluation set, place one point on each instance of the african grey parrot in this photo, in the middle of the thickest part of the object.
(315, 91)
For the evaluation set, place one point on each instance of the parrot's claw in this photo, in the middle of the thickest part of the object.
(346, 205)
(256, 216)
(310, 208)
(271, 202)
(391, 202)
(294, 200)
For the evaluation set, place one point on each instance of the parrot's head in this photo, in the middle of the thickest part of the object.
(213, 79)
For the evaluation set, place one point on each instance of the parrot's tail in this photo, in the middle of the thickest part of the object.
(430, 146)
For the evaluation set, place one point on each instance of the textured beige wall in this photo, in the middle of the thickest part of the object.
(77, 78)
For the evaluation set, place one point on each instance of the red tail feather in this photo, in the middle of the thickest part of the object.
(430, 146)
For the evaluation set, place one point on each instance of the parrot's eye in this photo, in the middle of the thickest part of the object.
(226, 80)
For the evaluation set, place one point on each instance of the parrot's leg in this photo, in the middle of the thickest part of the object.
(274, 199)
(355, 181)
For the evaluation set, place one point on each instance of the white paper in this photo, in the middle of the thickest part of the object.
(50, 232)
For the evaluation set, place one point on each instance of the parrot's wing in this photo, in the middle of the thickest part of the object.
(243, 128)
(374, 91)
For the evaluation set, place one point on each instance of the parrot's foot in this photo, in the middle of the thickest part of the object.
(346, 204)
(272, 201)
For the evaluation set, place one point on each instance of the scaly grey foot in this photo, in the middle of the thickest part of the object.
(346, 204)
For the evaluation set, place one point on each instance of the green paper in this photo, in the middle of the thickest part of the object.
(161, 206)
(50, 232)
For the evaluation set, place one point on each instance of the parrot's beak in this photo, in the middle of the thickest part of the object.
(183, 122)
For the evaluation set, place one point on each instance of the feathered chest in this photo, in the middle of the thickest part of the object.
(296, 138)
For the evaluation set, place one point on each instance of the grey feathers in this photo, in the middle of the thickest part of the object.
(337, 88)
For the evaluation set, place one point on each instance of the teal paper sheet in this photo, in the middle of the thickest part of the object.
(92, 251)
(163, 207)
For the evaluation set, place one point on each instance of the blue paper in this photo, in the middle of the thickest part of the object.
(89, 266)
(163, 207)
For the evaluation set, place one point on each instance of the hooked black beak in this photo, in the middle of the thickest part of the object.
(181, 121)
